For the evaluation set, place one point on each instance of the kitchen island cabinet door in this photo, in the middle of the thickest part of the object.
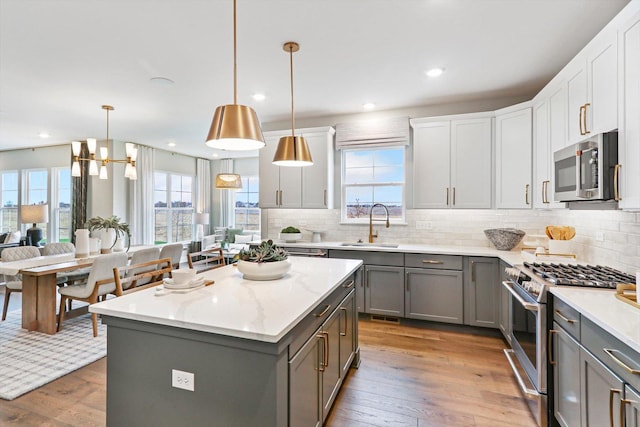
(598, 385)
(632, 407)
(305, 408)
(332, 372)
(432, 153)
(566, 378)
(513, 160)
(384, 290)
(505, 304)
(348, 338)
(433, 294)
(481, 292)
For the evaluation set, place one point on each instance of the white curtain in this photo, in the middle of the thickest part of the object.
(203, 189)
(141, 199)
(226, 196)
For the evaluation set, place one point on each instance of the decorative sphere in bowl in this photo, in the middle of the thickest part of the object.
(504, 239)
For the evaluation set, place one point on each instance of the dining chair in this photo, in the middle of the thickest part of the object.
(59, 248)
(139, 257)
(14, 283)
(173, 251)
(206, 260)
(100, 282)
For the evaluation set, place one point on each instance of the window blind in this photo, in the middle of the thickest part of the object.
(389, 132)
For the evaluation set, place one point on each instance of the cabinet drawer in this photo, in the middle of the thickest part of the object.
(567, 317)
(309, 324)
(394, 259)
(612, 352)
(444, 262)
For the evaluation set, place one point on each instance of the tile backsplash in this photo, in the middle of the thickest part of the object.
(606, 237)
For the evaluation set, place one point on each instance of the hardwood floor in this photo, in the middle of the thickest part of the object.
(409, 376)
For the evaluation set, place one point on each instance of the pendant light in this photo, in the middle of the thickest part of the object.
(228, 181)
(292, 150)
(235, 127)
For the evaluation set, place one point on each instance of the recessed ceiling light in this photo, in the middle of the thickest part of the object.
(43, 135)
(259, 97)
(171, 144)
(369, 106)
(214, 155)
(162, 81)
(435, 72)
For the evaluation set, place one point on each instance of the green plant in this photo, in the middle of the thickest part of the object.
(267, 251)
(121, 228)
(290, 229)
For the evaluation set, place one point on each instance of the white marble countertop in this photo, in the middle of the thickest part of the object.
(620, 319)
(511, 257)
(258, 310)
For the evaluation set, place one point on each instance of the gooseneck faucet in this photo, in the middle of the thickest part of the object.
(371, 235)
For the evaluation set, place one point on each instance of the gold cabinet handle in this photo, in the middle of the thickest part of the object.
(344, 310)
(545, 191)
(447, 196)
(526, 194)
(454, 196)
(320, 336)
(550, 346)
(611, 393)
(280, 197)
(580, 116)
(348, 285)
(616, 182)
(323, 311)
(623, 414)
(325, 336)
(563, 317)
(586, 131)
(406, 280)
(277, 203)
(432, 261)
(324, 197)
(620, 363)
(473, 271)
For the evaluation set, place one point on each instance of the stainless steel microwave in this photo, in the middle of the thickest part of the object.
(587, 170)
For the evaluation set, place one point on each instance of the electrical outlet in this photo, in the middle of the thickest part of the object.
(423, 225)
(182, 379)
(600, 236)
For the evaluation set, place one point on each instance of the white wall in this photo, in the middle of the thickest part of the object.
(38, 157)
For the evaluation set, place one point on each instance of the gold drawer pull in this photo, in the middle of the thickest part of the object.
(348, 285)
(610, 352)
(431, 261)
(562, 316)
(323, 311)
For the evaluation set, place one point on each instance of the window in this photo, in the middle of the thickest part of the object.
(373, 176)
(36, 185)
(61, 204)
(9, 201)
(247, 213)
(172, 198)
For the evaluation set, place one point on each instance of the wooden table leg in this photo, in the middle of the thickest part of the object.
(47, 291)
(29, 302)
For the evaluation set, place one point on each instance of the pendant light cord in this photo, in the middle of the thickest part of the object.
(235, 64)
(291, 70)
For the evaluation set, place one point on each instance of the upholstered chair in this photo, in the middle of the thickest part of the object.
(58, 248)
(139, 257)
(14, 283)
(173, 251)
(89, 291)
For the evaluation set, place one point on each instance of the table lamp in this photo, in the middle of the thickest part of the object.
(34, 214)
(201, 219)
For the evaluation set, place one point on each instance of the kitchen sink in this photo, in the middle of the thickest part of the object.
(371, 245)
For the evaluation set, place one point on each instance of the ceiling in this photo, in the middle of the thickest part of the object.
(60, 60)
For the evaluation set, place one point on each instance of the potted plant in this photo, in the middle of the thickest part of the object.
(120, 229)
(290, 234)
(263, 262)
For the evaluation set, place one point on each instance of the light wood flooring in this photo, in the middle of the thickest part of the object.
(409, 376)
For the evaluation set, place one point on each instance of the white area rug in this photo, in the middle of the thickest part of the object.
(29, 360)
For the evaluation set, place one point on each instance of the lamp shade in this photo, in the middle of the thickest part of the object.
(228, 181)
(201, 218)
(292, 151)
(34, 214)
(235, 127)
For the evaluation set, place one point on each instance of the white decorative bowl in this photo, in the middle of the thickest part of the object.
(263, 270)
(290, 237)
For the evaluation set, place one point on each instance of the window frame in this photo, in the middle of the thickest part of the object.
(248, 181)
(26, 200)
(170, 209)
(54, 203)
(3, 227)
(344, 219)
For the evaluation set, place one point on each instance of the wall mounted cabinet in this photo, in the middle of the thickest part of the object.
(309, 187)
(455, 159)
(513, 158)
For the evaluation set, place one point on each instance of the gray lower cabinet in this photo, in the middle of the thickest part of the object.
(632, 406)
(481, 290)
(433, 294)
(348, 332)
(331, 369)
(601, 393)
(305, 408)
(359, 285)
(504, 318)
(566, 378)
(384, 290)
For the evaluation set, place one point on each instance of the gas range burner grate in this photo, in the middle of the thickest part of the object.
(580, 275)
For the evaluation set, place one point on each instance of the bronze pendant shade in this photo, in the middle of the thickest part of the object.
(292, 150)
(228, 181)
(234, 126)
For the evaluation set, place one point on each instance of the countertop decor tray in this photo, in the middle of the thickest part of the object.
(626, 292)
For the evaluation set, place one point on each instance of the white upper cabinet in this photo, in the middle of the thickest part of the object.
(629, 131)
(513, 159)
(452, 162)
(298, 187)
(592, 84)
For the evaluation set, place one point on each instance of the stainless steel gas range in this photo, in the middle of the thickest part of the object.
(528, 285)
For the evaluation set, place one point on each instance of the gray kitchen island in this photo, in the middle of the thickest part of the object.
(236, 353)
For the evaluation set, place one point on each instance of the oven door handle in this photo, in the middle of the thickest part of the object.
(528, 392)
(527, 305)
